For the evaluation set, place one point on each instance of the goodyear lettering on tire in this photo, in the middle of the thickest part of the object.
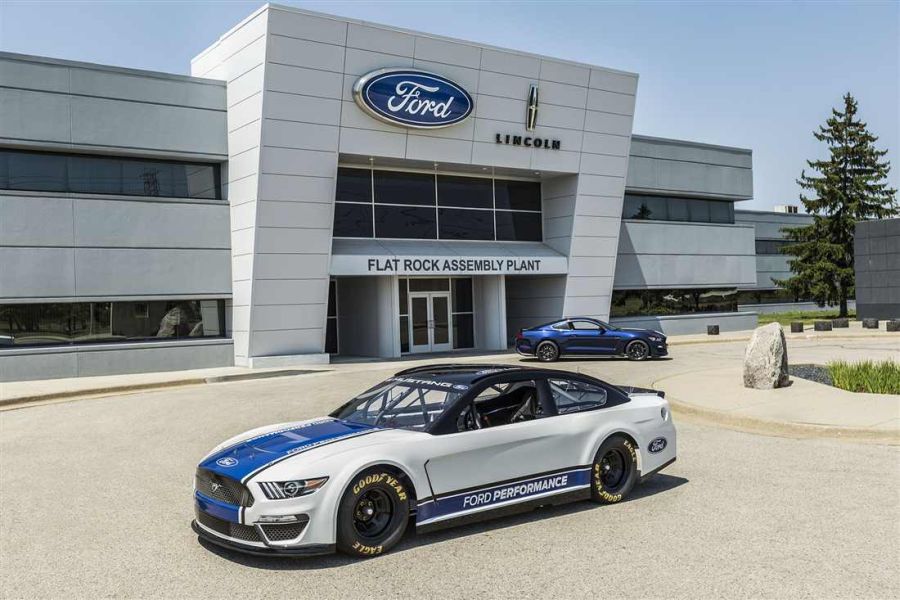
(374, 478)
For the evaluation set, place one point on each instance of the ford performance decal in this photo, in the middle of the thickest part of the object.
(248, 457)
(412, 98)
(494, 495)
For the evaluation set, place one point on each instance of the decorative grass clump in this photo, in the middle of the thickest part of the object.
(882, 377)
(807, 316)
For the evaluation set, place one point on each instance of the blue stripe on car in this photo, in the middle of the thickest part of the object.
(226, 512)
(248, 457)
(492, 495)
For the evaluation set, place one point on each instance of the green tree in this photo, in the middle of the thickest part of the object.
(850, 186)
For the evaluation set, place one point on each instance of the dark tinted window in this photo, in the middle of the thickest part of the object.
(81, 173)
(627, 303)
(86, 322)
(353, 185)
(464, 224)
(405, 222)
(352, 220)
(520, 227)
(721, 211)
(430, 284)
(517, 195)
(393, 187)
(770, 246)
(668, 208)
(462, 294)
(463, 331)
(467, 192)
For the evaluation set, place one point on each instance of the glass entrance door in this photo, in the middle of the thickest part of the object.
(429, 322)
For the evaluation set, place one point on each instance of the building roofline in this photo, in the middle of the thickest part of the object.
(771, 212)
(674, 141)
(332, 17)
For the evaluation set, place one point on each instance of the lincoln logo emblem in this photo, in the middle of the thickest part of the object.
(531, 114)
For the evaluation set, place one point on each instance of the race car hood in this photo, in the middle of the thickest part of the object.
(250, 455)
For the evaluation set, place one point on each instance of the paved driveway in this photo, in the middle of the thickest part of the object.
(95, 497)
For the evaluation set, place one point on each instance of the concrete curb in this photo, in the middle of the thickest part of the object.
(18, 402)
(782, 428)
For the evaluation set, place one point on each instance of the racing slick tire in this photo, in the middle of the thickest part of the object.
(547, 352)
(614, 470)
(373, 514)
(637, 350)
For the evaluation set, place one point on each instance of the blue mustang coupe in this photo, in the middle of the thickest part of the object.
(584, 336)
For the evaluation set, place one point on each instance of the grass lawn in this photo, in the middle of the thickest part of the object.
(807, 317)
(866, 376)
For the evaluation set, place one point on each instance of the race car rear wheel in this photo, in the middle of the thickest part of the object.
(547, 352)
(637, 350)
(614, 471)
(373, 514)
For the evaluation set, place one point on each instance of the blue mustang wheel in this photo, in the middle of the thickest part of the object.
(637, 350)
(547, 352)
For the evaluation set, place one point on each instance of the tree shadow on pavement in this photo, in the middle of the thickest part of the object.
(654, 485)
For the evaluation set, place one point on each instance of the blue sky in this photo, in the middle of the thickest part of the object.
(758, 75)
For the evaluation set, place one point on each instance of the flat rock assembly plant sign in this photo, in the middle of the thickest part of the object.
(419, 265)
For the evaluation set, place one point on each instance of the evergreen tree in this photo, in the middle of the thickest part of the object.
(850, 186)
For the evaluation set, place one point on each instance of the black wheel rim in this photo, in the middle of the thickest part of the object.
(547, 352)
(372, 514)
(613, 470)
(637, 350)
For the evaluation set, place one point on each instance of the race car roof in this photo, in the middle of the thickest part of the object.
(458, 373)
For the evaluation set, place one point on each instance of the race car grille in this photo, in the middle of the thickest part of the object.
(284, 532)
(227, 528)
(223, 488)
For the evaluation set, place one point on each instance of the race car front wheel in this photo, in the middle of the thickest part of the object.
(547, 352)
(614, 471)
(373, 514)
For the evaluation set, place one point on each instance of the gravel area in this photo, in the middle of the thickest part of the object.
(816, 373)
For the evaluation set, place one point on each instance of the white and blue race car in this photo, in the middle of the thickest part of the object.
(430, 446)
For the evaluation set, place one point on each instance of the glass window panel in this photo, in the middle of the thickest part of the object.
(440, 322)
(331, 338)
(352, 220)
(141, 178)
(699, 211)
(574, 396)
(462, 294)
(721, 212)
(332, 298)
(627, 303)
(467, 192)
(393, 187)
(635, 208)
(405, 222)
(91, 175)
(463, 331)
(466, 224)
(517, 195)
(517, 226)
(354, 185)
(419, 313)
(404, 334)
(4, 170)
(38, 172)
(678, 209)
(404, 297)
(198, 181)
(427, 284)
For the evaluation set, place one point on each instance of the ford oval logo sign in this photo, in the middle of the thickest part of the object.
(657, 445)
(412, 98)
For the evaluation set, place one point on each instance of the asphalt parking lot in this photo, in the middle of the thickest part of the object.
(95, 497)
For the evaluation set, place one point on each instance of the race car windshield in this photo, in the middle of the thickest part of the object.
(401, 403)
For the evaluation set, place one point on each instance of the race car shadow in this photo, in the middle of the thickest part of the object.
(586, 357)
(412, 540)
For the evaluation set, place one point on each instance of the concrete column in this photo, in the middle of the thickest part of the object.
(490, 312)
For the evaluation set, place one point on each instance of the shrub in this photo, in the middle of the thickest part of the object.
(867, 376)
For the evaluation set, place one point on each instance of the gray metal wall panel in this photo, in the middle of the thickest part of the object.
(36, 220)
(688, 324)
(36, 273)
(877, 261)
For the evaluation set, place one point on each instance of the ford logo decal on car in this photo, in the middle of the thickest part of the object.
(657, 445)
(227, 461)
(412, 98)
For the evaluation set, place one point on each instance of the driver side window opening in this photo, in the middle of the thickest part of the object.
(585, 326)
(502, 404)
(575, 396)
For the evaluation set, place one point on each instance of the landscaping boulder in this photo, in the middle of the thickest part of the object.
(842, 322)
(870, 323)
(765, 361)
(822, 325)
(893, 325)
(797, 327)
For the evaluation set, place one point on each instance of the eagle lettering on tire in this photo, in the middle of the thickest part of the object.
(373, 514)
(614, 470)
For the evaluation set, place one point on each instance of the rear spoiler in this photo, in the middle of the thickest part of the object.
(630, 389)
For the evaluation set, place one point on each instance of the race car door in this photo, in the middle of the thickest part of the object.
(513, 457)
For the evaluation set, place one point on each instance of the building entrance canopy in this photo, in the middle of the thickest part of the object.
(410, 257)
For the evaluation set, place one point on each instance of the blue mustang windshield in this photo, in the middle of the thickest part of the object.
(402, 403)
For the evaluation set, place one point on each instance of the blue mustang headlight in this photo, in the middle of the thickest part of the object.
(283, 490)
(655, 338)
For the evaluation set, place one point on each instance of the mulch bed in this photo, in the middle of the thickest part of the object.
(816, 373)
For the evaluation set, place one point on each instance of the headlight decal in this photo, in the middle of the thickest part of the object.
(283, 490)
